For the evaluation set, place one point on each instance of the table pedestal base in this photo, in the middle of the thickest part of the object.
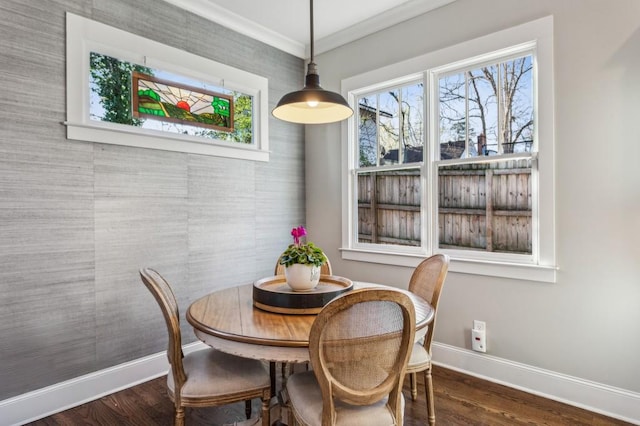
(278, 415)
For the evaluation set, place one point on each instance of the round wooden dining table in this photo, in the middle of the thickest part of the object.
(228, 321)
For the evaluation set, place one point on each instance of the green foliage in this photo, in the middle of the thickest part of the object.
(306, 254)
(112, 79)
(206, 118)
(242, 117)
(242, 122)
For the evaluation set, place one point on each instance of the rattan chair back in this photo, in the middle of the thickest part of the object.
(359, 347)
(427, 281)
(166, 299)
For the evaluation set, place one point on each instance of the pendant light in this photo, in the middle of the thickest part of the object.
(312, 104)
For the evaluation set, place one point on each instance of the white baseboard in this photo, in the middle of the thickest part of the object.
(53, 399)
(608, 400)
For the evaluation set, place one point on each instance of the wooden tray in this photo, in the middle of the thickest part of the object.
(273, 294)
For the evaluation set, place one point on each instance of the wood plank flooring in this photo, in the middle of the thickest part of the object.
(460, 400)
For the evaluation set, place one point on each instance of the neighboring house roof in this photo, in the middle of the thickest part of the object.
(371, 111)
(413, 154)
(451, 149)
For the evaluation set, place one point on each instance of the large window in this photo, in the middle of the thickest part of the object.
(457, 158)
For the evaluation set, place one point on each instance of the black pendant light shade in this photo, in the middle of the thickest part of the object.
(312, 104)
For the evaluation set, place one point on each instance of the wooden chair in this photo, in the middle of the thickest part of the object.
(359, 347)
(426, 281)
(207, 377)
(325, 269)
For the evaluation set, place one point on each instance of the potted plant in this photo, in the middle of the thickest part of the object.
(302, 262)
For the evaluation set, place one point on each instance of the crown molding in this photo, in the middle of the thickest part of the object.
(261, 33)
(376, 23)
(241, 25)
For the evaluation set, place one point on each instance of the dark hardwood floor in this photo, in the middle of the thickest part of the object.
(460, 400)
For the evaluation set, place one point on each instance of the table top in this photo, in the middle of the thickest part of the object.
(226, 319)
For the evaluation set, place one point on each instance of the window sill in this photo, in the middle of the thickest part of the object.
(143, 138)
(518, 271)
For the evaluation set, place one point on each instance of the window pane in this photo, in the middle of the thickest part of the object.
(412, 122)
(367, 131)
(110, 84)
(499, 99)
(483, 111)
(452, 116)
(389, 207)
(486, 206)
(389, 127)
(517, 100)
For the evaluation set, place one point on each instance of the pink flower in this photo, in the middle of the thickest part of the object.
(298, 233)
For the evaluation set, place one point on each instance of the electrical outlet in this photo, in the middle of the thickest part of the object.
(479, 336)
(479, 325)
(478, 340)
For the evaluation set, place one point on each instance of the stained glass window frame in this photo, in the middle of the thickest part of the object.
(137, 111)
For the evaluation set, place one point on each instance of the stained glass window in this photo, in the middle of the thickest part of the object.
(128, 93)
(169, 101)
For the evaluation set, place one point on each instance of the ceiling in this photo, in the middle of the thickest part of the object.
(284, 24)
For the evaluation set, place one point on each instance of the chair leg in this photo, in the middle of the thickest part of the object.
(291, 419)
(428, 388)
(266, 410)
(247, 408)
(414, 386)
(179, 420)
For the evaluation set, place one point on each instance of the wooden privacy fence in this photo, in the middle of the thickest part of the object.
(465, 219)
(389, 207)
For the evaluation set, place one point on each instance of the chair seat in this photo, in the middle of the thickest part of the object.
(306, 396)
(211, 373)
(420, 359)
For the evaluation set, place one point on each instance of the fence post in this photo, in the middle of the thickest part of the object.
(374, 207)
(488, 176)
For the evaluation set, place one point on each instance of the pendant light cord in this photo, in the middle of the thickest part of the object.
(311, 28)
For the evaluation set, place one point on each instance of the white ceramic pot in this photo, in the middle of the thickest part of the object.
(302, 277)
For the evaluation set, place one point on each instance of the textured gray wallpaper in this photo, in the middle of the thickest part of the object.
(77, 220)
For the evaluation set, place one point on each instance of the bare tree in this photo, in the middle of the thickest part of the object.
(496, 98)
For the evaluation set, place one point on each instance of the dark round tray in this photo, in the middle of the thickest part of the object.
(274, 294)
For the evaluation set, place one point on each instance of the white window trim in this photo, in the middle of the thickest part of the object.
(85, 36)
(543, 267)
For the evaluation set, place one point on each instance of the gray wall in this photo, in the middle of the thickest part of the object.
(587, 324)
(77, 220)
